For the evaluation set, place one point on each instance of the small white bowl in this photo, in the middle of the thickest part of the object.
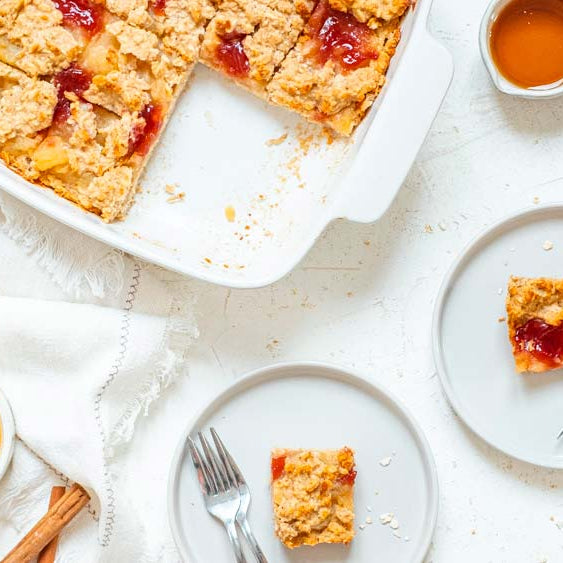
(546, 92)
(8, 434)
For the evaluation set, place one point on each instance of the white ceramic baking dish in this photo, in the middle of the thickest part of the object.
(284, 195)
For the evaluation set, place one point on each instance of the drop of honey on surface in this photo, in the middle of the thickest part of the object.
(526, 42)
(230, 213)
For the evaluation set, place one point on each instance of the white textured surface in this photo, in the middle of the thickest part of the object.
(364, 297)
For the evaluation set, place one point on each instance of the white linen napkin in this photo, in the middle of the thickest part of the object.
(78, 365)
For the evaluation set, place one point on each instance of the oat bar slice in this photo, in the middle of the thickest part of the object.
(313, 496)
(247, 40)
(535, 323)
(336, 70)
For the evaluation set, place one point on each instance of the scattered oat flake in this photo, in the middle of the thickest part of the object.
(230, 213)
(386, 518)
(328, 134)
(428, 229)
(442, 226)
(501, 319)
(394, 524)
(175, 198)
(407, 538)
(362, 526)
(369, 520)
(277, 141)
(169, 189)
(397, 534)
(385, 461)
(499, 290)
(548, 245)
(536, 200)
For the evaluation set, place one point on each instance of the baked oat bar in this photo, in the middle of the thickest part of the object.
(115, 86)
(535, 323)
(336, 70)
(313, 496)
(248, 39)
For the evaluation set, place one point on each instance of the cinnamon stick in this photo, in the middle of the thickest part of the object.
(49, 552)
(58, 516)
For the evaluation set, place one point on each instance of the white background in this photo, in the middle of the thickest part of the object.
(364, 297)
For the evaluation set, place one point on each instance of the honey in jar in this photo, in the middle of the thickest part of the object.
(526, 42)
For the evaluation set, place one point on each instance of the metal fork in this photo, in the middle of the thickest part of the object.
(232, 468)
(220, 492)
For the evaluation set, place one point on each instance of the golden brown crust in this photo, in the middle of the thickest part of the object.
(314, 496)
(372, 12)
(527, 299)
(326, 94)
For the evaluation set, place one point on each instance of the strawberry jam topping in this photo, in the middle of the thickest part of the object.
(143, 137)
(349, 478)
(73, 79)
(278, 465)
(82, 14)
(158, 6)
(340, 37)
(541, 340)
(230, 54)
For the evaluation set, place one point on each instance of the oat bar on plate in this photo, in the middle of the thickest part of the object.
(115, 85)
(535, 323)
(313, 496)
(337, 68)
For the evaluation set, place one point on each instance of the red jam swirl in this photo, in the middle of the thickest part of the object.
(82, 14)
(278, 465)
(541, 340)
(142, 138)
(73, 79)
(230, 54)
(158, 7)
(340, 37)
(349, 478)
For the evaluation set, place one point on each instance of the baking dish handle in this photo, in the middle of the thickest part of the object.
(393, 139)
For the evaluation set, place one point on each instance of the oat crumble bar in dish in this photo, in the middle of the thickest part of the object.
(87, 86)
(337, 68)
(85, 93)
(313, 496)
(535, 323)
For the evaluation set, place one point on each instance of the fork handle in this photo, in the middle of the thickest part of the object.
(231, 528)
(245, 528)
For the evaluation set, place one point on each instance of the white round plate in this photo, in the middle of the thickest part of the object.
(312, 406)
(519, 414)
(8, 432)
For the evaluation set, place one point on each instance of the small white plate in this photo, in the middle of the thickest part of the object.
(8, 433)
(519, 414)
(312, 406)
